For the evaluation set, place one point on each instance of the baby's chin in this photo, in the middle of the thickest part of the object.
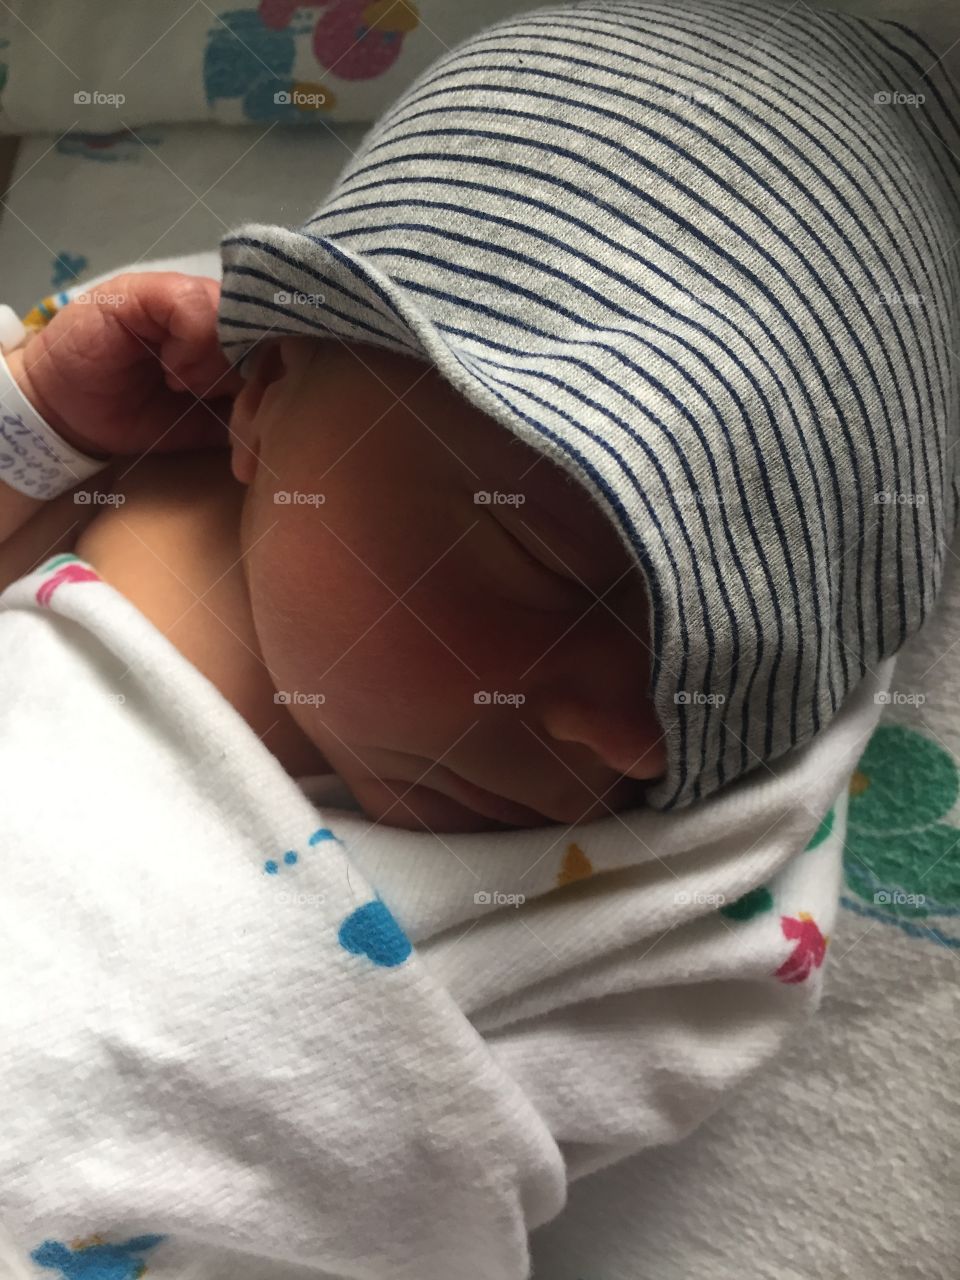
(421, 808)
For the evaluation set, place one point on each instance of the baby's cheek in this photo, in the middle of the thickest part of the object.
(364, 661)
(351, 657)
(458, 647)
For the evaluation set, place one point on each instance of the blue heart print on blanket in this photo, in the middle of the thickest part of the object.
(372, 931)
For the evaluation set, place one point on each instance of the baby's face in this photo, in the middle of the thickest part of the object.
(463, 665)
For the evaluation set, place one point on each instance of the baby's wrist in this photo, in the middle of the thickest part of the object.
(17, 365)
(38, 460)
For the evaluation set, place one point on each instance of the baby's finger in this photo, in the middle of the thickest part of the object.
(170, 316)
(191, 354)
(202, 373)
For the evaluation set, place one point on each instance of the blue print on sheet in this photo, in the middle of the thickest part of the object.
(272, 866)
(94, 1260)
(372, 931)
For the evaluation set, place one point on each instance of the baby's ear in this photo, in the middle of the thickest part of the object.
(262, 367)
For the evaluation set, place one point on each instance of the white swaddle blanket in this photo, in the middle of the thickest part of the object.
(243, 1035)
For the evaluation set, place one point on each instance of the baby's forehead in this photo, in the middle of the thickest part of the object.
(515, 478)
(502, 473)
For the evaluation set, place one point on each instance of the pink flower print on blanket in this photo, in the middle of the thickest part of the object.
(353, 39)
(809, 951)
(66, 569)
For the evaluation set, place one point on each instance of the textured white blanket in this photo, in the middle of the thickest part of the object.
(242, 1032)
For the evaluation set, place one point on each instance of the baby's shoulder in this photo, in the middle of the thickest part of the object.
(167, 526)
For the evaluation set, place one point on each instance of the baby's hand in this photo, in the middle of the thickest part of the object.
(132, 366)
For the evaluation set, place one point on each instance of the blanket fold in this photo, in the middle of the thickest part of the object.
(244, 1034)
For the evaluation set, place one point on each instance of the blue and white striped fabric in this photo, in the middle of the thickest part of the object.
(702, 255)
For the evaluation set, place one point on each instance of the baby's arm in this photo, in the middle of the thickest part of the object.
(131, 367)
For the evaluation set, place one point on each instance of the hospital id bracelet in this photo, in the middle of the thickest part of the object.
(12, 329)
(34, 460)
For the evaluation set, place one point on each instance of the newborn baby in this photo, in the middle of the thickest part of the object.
(590, 456)
(632, 416)
(440, 596)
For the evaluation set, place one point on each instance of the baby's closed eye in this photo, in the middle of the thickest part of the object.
(544, 580)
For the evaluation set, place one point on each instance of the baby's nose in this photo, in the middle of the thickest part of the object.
(623, 736)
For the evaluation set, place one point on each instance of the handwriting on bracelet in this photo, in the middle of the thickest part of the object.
(19, 464)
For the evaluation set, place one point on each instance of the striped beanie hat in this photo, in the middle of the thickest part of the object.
(702, 255)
